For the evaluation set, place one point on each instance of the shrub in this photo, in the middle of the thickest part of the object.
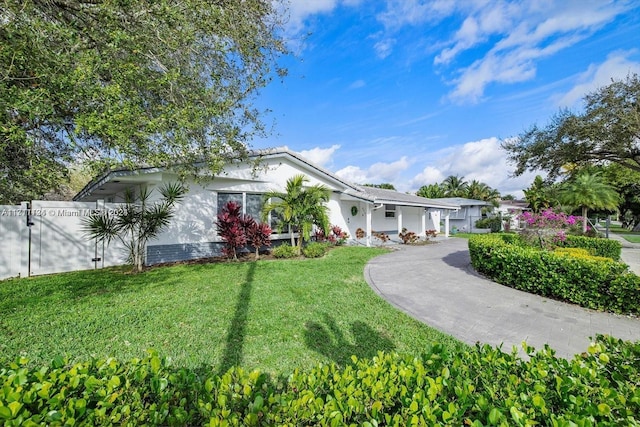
(382, 236)
(592, 282)
(494, 223)
(336, 235)
(258, 234)
(285, 250)
(314, 250)
(597, 246)
(231, 229)
(480, 386)
(408, 237)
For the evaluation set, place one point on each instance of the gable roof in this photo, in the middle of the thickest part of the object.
(374, 195)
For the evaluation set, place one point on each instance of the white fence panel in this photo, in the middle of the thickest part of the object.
(13, 232)
(58, 242)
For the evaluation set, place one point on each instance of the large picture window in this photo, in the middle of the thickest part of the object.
(460, 214)
(251, 205)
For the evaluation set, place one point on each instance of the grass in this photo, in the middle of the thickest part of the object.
(625, 233)
(272, 315)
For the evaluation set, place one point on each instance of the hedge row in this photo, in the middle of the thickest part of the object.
(598, 283)
(483, 386)
(596, 246)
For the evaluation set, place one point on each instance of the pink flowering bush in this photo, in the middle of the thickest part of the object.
(548, 228)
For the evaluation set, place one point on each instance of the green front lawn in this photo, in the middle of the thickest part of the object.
(272, 315)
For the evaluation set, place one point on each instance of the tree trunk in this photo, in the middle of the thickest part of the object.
(584, 219)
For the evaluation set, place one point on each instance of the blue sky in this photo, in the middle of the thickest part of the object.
(409, 91)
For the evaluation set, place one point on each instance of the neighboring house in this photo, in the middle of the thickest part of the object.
(511, 210)
(192, 232)
(470, 211)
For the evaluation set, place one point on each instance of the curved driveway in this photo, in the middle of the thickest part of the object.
(437, 285)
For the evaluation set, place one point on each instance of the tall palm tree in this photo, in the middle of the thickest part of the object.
(589, 191)
(301, 207)
(455, 186)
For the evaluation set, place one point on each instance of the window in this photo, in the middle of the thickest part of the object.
(224, 198)
(460, 214)
(251, 204)
(389, 211)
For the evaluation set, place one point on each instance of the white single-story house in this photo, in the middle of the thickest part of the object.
(471, 210)
(511, 211)
(192, 232)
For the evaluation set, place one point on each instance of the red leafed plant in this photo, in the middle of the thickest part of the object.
(231, 229)
(258, 234)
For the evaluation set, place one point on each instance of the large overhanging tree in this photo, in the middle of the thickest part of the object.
(129, 82)
(608, 131)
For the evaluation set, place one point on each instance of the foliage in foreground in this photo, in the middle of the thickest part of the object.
(481, 386)
(593, 282)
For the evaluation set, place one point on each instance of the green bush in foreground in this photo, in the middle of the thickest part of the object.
(597, 246)
(314, 250)
(593, 282)
(481, 386)
(284, 250)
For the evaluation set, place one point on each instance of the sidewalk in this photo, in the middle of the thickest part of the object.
(436, 285)
(630, 252)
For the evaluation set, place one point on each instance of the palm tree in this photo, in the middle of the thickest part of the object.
(301, 207)
(431, 191)
(137, 221)
(589, 191)
(454, 186)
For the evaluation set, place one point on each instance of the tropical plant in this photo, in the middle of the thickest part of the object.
(431, 191)
(546, 229)
(455, 186)
(300, 207)
(137, 221)
(258, 234)
(541, 195)
(231, 228)
(589, 191)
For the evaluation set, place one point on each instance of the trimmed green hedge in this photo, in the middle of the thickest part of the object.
(601, 284)
(596, 246)
(482, 386)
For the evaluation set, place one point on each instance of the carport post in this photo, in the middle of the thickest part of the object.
(368, 219)
(446, 224)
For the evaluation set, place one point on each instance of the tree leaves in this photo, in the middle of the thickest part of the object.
(130, 82)
(608, 131)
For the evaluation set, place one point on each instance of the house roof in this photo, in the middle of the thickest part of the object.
(384, 196)
(115, 181)
(461, 201)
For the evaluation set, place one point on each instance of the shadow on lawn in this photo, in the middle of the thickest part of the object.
(328, 340)
(235, 336)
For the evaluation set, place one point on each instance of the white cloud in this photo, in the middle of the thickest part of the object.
(482, 160)
(320, 156)
(300, 10)
(376, 174)
(384, 47)
(357, 84)
(429, 175)
(520, 34)
(617, 66)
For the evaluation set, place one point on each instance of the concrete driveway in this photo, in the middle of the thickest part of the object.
(437, 285)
